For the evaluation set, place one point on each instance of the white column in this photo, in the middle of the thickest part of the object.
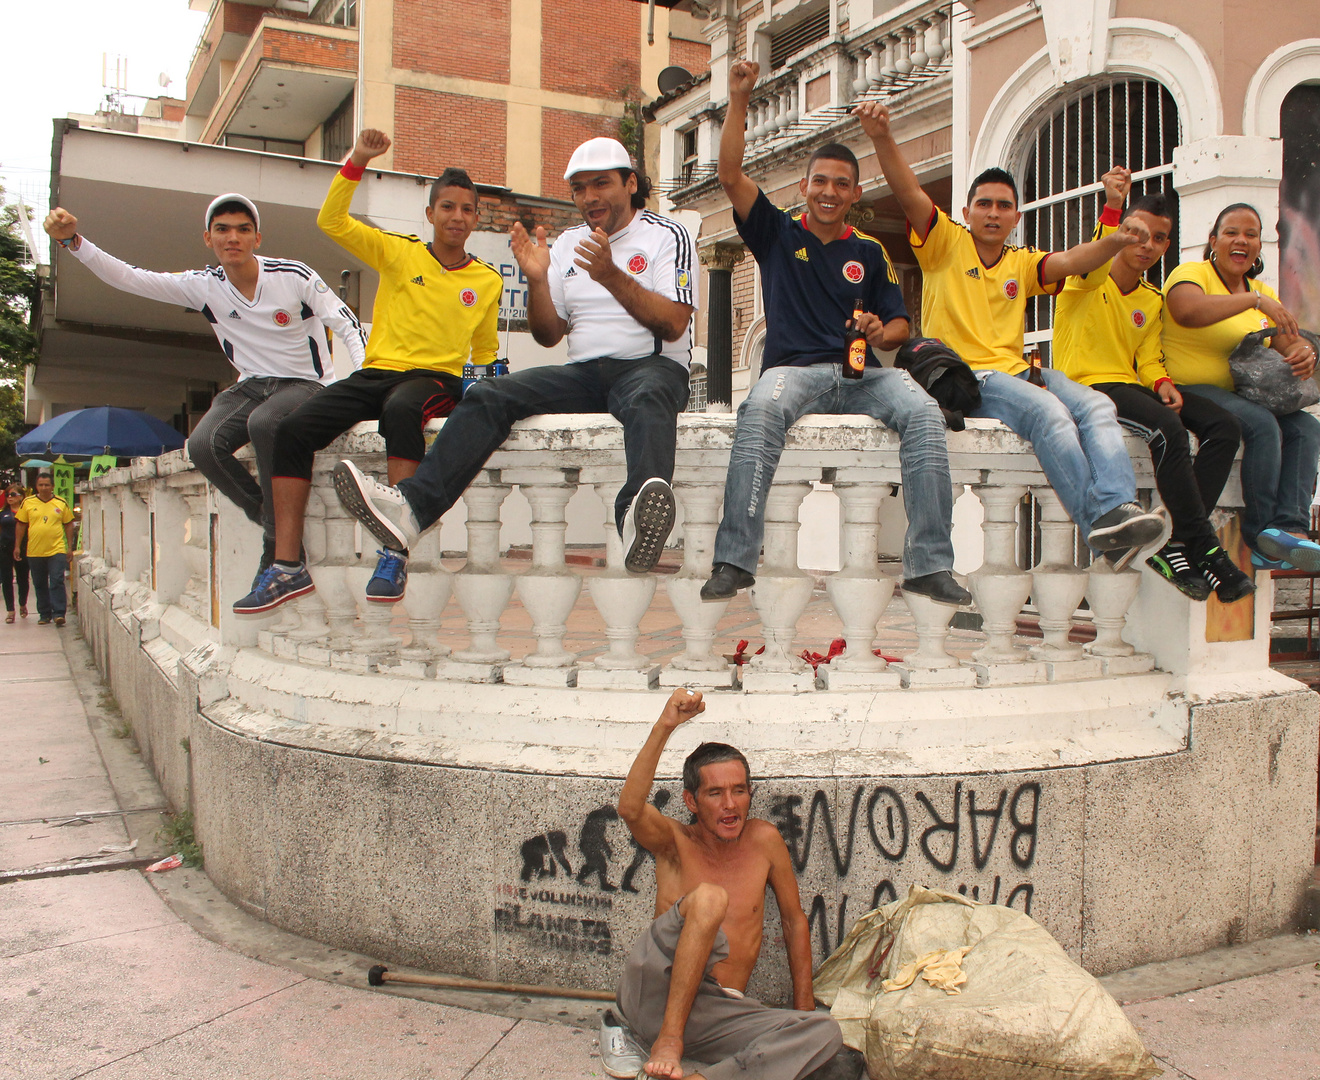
(429, 586)
(781, 593)
(482, 588)
(1057, 587)
(1110, 596)
(1001, 589)
(697, 665)
(549, 589)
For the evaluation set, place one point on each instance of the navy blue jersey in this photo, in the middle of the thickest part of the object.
(809, 287)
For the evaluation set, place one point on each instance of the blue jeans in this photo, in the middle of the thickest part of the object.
(48, 583)
(1075, 434)
(1278, 463)
(780, 397)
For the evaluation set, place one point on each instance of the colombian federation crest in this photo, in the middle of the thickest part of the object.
(637, 264)
(682, 279)
(282, 317)
(1011, 288)
(854, 271)
(467, 297)
(1138, 319)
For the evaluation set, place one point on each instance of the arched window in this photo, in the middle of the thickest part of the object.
(1132, 122)
(697, 388)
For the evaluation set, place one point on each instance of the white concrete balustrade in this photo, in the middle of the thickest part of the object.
(167, 540)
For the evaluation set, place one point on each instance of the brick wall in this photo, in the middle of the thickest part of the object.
(228, 18)
(590, 48)
(497, 213)
(314, 50)
(453, 37)
(744, 303)
(692, 55)
(562, 132)
(434, 129)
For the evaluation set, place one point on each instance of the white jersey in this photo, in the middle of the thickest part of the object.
(279, 333)
(657, 252)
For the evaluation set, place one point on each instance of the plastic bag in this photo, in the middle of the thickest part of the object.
(1262, 375)
(1023, 1012)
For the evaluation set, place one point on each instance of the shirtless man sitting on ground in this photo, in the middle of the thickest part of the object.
(682, 986)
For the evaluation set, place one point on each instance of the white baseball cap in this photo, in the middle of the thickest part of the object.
(597, 155)
(233, 196)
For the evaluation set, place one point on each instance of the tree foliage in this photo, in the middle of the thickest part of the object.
(18, 343)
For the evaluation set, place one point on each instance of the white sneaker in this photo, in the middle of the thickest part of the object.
(368, 500)
(620, 1053)
(646, 526)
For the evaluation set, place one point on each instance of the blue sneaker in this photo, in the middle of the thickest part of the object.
(390, 579)
(1280, 546)
(273, 588)
(1259, 562)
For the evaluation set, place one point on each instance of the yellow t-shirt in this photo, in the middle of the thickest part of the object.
(979, 311)
(45, 525)
(1199, 355)
(425, 316)
(1104, 335)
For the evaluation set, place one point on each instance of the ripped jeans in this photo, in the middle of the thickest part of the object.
(780, 397)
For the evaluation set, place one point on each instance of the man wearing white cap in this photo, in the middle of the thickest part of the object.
(270, 316)
(622, 287)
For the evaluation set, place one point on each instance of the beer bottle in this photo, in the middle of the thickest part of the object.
(854, 359)
(1033, 369)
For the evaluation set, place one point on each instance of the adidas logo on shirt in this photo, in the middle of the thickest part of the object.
(235, 315)
(418, 280)
(801, 253)
(974, 272)
(571, 272)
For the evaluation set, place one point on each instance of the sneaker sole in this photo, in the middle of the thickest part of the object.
(1271, 548)
(1191, 592)
(1136, 532)
(653, 518)
(357, 503)
(275, 603)
(937, 599)
(384, 599)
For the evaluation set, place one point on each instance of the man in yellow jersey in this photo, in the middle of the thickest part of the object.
(43, 536)
(1107, 336)
(974, 295)
(436, 309)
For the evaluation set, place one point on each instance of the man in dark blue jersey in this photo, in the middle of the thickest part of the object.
(813, 267)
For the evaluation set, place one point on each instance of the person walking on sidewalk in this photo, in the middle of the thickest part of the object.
(13, 570)
(43, 537)
(436, 310)
(683, 986)
(621, 287)
(1107, 336)
(974, 297)
(270, 317)
(814, 268)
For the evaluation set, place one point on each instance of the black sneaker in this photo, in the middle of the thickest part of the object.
(940, 586)
(1172, 564)
(1125, 526)
(725, 581)
(1230, 583)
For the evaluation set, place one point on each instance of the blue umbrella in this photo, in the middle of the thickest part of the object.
(102, 430)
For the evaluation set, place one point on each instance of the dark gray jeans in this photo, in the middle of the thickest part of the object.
(247, 412)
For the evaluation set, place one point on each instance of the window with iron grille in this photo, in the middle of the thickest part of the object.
(687, 152)
(697, 388)
(337, 134)
(811, 27)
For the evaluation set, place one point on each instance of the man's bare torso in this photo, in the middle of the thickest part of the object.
(742, 869)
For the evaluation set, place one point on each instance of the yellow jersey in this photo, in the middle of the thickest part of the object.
(979, 311)
(1199, 355)
(45, 525)
(1104, 335)
(425, 316)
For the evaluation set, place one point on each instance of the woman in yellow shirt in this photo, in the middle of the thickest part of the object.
(1211, 306)
(42, 537)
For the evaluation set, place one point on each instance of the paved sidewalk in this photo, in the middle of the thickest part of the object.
(107, 972)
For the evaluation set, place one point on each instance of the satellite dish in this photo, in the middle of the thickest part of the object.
(672, 78)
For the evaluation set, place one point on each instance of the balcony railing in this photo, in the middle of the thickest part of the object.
(157, 531)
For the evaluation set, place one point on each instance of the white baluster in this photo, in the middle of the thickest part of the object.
(794, 114)
(622, 599)
(697, 664)
(1001, 589)
(888, 66)
(377, 644)
(861, 61)
(1110, 595)
(935, 49)
(859, 592)
(919, 56)
(1057, 587)
(331, 577)
(902, 61)
(481, 587)
(781, 593)
(429, 586)
(549, 589)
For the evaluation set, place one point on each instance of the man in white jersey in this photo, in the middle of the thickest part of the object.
(622, 287)
(270, 317)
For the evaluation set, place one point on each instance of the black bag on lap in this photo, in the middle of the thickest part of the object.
(944, 375)
(1263, 376)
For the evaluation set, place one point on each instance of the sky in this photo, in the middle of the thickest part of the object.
(53, 67)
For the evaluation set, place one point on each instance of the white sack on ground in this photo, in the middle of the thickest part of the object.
(1023, 1010)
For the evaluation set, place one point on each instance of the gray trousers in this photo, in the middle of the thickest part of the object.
(735, 1037)
(249, 411)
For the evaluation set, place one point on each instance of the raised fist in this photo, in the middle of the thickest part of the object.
(370, 144)
(60, 224)
(743, 76)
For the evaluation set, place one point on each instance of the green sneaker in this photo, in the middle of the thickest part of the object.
(1172, 564)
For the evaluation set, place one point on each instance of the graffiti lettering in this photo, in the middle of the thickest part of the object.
(784, 812)
(952, 827)
(896, 823)
(1024, 829)
(563, 933)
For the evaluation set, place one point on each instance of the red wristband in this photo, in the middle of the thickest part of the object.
(1161, 382)
(349, 171)
(1111, 216)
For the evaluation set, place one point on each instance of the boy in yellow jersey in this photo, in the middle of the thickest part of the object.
(1107, 336)
(42, 536)
(436, 309)
(974, 294)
